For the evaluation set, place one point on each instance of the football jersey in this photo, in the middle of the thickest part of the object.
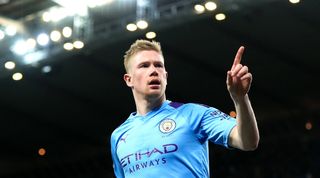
(170, 141)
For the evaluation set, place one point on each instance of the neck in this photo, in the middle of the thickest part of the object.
(145, 105)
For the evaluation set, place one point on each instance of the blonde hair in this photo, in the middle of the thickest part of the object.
(140, 45)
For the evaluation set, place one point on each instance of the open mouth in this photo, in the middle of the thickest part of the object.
(155, 82)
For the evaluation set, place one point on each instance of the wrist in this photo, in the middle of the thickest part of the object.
(240, 99)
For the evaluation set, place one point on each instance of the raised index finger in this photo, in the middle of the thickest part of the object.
(238, 57)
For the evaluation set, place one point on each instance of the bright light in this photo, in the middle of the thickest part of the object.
(43, 39)
(1, 34)
(78, 44)
(132, 27)
(95, 3)
(68, 46)
(55, 35)
(9, 65)
(294, 1)
(220, 16)
(151, 35)
(199, 8)
(31, 43)
(46, 69)
(92, 5)
(233, 114)
(210, 6)
(76, 6)
(17, 76)
(57, 14)
(67, 32)
(42, 151)
(142, 24)
(20, 47)
(11, 30)
(34, 57)
(46, 16)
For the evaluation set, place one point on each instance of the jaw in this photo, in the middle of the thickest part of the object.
(149, 93)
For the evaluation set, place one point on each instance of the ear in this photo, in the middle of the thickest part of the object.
(127, 79)
(166, 78)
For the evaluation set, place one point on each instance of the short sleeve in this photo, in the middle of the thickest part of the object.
(216, 126)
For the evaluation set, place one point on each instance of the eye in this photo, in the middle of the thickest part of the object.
(159, 65)
(144, 65)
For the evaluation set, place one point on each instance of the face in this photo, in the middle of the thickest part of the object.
(147, 75)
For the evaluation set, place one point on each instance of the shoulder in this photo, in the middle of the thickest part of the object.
(192, 107)
(120, 130)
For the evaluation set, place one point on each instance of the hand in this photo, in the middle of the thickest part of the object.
(238, 78)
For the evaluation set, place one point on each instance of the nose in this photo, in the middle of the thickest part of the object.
(154, 71)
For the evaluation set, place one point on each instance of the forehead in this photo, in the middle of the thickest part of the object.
(146, 56)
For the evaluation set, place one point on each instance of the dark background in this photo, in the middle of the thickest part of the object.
(72, 111)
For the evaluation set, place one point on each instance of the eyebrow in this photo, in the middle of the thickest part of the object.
(145, 62)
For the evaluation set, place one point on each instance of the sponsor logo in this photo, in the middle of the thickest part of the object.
(167, 125)
(219, 114)
(123, 138)
(145, 159)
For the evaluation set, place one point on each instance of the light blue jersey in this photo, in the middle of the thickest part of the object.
(169, 142)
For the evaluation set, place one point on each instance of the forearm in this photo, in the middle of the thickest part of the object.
(248, 133)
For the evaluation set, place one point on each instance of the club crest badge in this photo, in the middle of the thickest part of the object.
(167, 125)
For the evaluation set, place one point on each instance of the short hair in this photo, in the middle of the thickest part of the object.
(140, 45)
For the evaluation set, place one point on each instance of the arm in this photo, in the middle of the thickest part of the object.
(245, 135)
(118, 172)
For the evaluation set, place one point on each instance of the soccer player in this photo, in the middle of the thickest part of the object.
(166, 139)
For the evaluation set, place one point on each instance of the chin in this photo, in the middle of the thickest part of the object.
(154, 94)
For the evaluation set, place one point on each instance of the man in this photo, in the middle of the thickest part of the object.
(169, 139)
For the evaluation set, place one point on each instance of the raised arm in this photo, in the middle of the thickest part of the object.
(245, 135)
